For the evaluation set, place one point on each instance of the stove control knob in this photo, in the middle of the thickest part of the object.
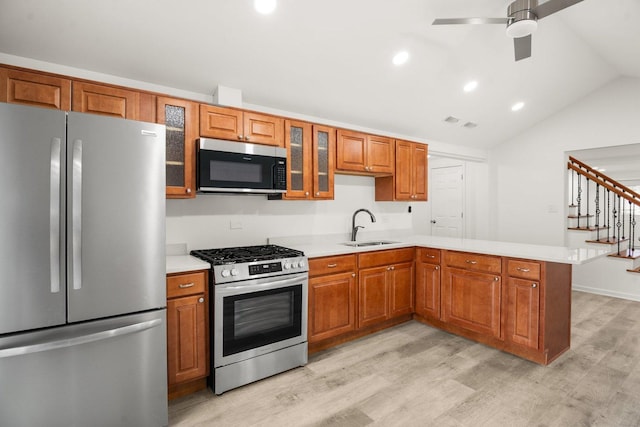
(295, 264)
(234, 272)
(287, 266)
(301, 264)
(225, 273)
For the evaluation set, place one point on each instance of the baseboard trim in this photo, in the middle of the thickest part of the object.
(605, 292)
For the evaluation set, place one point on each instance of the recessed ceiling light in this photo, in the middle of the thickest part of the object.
(517, 106)
(400, 57)
(265, 6)
(471, 86)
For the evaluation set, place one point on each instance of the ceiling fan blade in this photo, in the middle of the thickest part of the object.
(552, 6)
(522, 47)
(449, 21)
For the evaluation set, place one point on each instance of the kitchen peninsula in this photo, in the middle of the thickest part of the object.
(511, 296)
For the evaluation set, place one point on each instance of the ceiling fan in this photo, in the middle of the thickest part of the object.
(522, 20)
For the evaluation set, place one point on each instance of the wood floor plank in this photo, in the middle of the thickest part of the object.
(415, 375)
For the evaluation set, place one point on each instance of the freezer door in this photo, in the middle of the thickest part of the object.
(32, 293)
(104, 373)
(116, 216)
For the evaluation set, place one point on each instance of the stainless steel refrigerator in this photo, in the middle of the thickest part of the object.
(82, 270)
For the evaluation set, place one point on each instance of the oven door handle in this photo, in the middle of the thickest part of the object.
(262, 284)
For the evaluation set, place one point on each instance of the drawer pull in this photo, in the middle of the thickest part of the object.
(469, 261)
(332, 265)
(534, 285)
(431, 256)
(186, 285)
(524, 270)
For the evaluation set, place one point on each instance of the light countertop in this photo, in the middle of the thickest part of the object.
(183, 263)
(320, 247)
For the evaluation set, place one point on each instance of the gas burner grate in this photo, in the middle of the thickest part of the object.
(235, 255)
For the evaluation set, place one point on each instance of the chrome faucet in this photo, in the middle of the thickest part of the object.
(354, 227)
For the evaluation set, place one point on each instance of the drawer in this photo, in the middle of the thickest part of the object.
(523, 269)
(331, 264)
(391, 256)
(186, 284)
(474, 262)
(432, 256)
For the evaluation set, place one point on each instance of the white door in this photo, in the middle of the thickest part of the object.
(446, 201)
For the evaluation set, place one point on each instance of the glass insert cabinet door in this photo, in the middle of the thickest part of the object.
(180, 118)
(310, 151)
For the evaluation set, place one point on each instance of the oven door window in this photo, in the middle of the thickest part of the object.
(260, 318)
(233, 170)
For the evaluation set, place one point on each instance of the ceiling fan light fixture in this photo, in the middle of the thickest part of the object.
(522, 28)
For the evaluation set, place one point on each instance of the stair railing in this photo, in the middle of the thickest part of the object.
(615, 196)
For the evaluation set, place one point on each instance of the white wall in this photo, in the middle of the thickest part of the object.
(527, 174)
(206, 221)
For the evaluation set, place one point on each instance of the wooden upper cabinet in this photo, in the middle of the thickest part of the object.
(364, 154)
(181, 120)
(310, 167)
(106, 100)
(39, 90)
(410, 179)
(239, 125)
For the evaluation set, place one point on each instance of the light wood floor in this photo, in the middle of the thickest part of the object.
(415, 375)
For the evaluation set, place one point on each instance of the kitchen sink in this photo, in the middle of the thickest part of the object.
(373, 243)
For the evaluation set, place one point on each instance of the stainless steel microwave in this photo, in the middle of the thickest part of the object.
(240, 167)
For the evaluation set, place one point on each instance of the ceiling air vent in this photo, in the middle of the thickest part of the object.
(452, 119)
(470, 125)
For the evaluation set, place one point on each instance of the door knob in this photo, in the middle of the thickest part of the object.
(433, 221)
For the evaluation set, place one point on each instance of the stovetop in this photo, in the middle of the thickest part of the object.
(252, 262)
(245, 254)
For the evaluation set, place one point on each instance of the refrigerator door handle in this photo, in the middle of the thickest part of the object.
(83, 339)
(76, 216)
(54, 217)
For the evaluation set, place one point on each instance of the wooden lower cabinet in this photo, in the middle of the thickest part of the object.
(385, 285)
(428, 275)
(333, 302)
(187, 333)
(519, 306)
(523, 312)
(472, 300)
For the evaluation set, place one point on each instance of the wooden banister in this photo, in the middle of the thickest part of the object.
(603, 180)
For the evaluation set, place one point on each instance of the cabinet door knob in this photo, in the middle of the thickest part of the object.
(239, 136)
(187, 190)
(317, 193)
(496, 279)
(246, 137)
(353, 274)
(393, 267)
(306, 193)
(201, 300)
(437, 267)
(534, 285)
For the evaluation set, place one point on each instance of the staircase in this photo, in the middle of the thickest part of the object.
(603, 211)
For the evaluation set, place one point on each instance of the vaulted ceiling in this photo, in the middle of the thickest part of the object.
(331, 59)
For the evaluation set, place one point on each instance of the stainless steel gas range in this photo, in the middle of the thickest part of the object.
(259, 312)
